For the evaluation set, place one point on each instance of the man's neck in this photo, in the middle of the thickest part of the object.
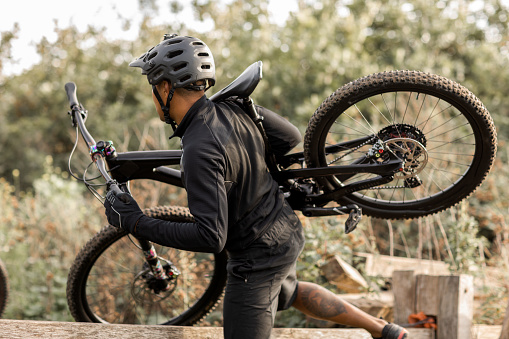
(182, 106)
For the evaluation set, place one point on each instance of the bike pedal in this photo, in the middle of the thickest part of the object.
(353, 219)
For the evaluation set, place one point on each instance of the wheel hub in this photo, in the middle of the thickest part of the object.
(408, 144)
(146, 288)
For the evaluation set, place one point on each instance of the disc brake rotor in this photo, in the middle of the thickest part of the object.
(411, 152)
(144, 285)
(407, 143)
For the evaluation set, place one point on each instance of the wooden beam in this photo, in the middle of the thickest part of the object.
(403, 286)
(384, 265)
(377, 304)
(427, 297)
(17, 329)
(455, 310)
(343, 275)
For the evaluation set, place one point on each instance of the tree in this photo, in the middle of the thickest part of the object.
(322, 46)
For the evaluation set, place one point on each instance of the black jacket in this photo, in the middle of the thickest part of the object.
(231, 194)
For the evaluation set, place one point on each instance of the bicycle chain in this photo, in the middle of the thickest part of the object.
(353, 150)
(386, 187)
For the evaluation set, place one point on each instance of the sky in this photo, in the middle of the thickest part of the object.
(36, 19)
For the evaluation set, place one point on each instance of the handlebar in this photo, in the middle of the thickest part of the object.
(70, 89)
(78, 114)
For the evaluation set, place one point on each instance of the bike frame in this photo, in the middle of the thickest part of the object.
(151, 165)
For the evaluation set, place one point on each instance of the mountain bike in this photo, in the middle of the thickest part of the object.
(394, 145)
(4, 288)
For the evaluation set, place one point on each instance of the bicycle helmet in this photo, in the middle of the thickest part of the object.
(180, 60)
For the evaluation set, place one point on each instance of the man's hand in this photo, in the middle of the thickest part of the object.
(122, 211)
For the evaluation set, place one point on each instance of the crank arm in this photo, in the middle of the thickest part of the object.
(353, 211)
(327, 211)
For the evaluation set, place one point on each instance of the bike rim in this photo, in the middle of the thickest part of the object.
(116, 291)
(451, 143)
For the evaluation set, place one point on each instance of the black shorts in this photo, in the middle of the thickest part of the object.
(263, 280)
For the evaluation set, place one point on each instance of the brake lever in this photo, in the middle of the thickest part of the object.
(77, 109)
(113, 186)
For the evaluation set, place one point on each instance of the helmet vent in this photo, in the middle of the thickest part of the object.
(173, 42)
(203, 54)
(205, 66)
(151, 55)
(179, 66)
(185, 78)
(198, 43)
(173, 54)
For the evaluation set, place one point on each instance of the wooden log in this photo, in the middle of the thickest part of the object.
(455, 310)
(377, 304)
(343, 275)
(17, 329)
(486, 331)
(384, 265)
(403, 286)
(427, 297)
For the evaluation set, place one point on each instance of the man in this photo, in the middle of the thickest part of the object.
(233, 198)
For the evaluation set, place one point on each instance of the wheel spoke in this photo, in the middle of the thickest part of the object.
(434, 127)
(111, 281)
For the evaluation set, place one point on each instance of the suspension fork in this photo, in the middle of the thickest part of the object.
(155, 265)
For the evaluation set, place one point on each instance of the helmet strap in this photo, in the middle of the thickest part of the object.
(165, 108)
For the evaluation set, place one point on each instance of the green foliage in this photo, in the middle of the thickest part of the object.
(41, 235)
(462, 230)
(321, 47)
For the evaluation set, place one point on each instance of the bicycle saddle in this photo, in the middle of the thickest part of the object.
(243, 86)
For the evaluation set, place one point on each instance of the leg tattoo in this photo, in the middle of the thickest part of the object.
(322, 303)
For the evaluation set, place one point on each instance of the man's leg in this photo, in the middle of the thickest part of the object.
(248, 309)
(320, 303)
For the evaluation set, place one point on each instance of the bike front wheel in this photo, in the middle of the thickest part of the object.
(440, 130)
(110, 282)
(4, 288)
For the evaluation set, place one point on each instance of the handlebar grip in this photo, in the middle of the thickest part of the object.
(119, 193)
(70, 89)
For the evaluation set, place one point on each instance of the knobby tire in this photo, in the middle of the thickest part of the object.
(106, 284)
(450, 122)
(4, 288)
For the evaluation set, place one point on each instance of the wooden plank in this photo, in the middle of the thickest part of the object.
(384, 265)
(486, 331)
(305, 333)
(377, 304)
(403, 286)
(343, 275)
(426, 294)
(455, 310)
(17, 329)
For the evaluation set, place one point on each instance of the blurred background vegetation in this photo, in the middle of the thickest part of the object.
(46, 216)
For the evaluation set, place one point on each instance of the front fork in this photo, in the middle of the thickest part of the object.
(162, 277)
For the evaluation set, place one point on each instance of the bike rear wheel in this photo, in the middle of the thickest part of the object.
(109, 280)
(450, 127)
